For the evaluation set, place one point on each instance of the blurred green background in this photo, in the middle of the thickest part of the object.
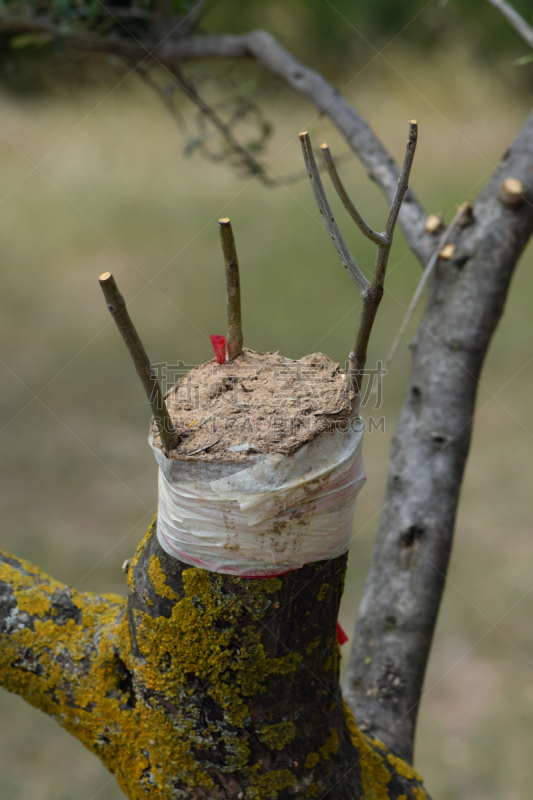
(94, 178)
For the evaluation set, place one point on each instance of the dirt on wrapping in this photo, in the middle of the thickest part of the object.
(261, 403)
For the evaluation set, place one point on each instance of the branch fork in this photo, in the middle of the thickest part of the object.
(371, 291)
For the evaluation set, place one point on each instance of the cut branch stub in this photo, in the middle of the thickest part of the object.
(117, 307)
(233, 289)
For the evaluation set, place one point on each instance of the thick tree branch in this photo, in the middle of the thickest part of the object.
(515, 19)
(401, 599)
(204, 686)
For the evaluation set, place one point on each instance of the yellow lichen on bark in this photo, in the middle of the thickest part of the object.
(158, 579)
(377, 767)
(68, 669)
(131, 686)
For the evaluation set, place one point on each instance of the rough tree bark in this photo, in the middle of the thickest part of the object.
(200, 685)
(232, 684)
(401, 599)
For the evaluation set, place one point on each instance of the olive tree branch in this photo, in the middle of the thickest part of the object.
(406, 579)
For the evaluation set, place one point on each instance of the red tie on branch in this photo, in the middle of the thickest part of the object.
(219, 346)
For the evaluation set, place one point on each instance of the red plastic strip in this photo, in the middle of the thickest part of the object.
(341, 636)
(219, 346)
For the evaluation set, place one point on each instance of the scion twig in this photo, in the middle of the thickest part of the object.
(233, 289)
(332, 228)
(364, 227)
(117, 306)
(371, 293)
(372, 298)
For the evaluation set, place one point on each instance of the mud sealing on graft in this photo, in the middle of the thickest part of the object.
(261, 403)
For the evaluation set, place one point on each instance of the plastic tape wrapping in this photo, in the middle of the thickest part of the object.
(273, 516)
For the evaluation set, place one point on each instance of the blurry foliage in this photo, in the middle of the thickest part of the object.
(332, 30)
(326, 34)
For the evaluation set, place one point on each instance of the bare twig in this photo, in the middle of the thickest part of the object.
(165, 97)
(423, 280)
(205, 447)
(515, 19)
(233, 289)
(372, 298)
(370, 233)
(117, 306)
(371, 293)
(332, 228)
(250, 162)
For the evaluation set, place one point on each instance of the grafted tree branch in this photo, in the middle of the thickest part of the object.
(404, 587)
(201, 685)
(402, 596)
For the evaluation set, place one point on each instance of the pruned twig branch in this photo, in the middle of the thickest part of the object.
(233, 289)
(372, 298)
(117, 307)
(370, 233)
(332, 228)
(371, 293)
(515, 19)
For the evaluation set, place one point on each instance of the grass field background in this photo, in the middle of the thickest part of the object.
(98, 181)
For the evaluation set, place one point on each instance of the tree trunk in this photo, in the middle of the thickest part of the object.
(404, 587)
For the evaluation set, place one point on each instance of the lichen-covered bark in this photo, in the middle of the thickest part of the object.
(201, 685)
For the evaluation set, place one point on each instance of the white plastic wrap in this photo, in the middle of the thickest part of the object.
(269, 516)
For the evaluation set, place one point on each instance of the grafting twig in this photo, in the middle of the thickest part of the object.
(371, 293)
(117, 306)
(332, 228)
(372, 298)
(364, 227)
(515, 19)
(233, 289)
